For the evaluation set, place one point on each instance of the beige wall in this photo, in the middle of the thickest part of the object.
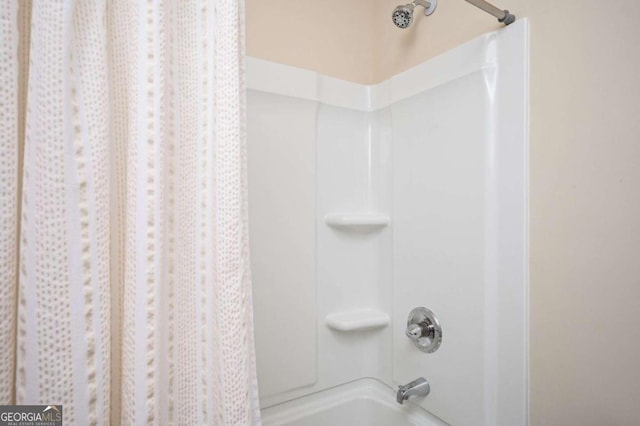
(585, 212)
(585, 170)
(333, 37)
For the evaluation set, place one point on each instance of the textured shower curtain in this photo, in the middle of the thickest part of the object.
(125, 288)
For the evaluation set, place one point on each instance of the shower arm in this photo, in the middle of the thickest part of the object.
(503, 15)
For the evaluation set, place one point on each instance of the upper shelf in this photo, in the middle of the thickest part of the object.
(357, 220)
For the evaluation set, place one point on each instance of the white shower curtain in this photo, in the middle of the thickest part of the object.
(124, 267)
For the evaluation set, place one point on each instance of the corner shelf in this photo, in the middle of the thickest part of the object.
(364, 319)
(357, 220)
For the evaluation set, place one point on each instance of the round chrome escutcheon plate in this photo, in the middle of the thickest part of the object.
(424, 330)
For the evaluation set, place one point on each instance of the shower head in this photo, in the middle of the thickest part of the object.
(402, 15)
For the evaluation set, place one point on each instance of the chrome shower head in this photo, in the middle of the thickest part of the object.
(402, 15)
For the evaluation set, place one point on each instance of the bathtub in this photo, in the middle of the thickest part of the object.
(363, 402)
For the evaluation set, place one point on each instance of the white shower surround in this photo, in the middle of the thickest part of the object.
(321, 320)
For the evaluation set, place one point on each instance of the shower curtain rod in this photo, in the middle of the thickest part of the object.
(503, 15)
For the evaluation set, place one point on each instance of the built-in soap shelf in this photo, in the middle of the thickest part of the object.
(364, 319)
(357, 220)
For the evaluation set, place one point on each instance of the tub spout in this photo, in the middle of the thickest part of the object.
(419, 387)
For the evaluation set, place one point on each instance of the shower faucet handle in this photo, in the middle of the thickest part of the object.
(416, 331)
(424, 330)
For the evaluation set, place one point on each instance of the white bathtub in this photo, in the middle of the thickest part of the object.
(365, 402)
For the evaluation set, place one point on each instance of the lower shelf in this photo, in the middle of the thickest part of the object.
(364, 319)
(357, 220)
